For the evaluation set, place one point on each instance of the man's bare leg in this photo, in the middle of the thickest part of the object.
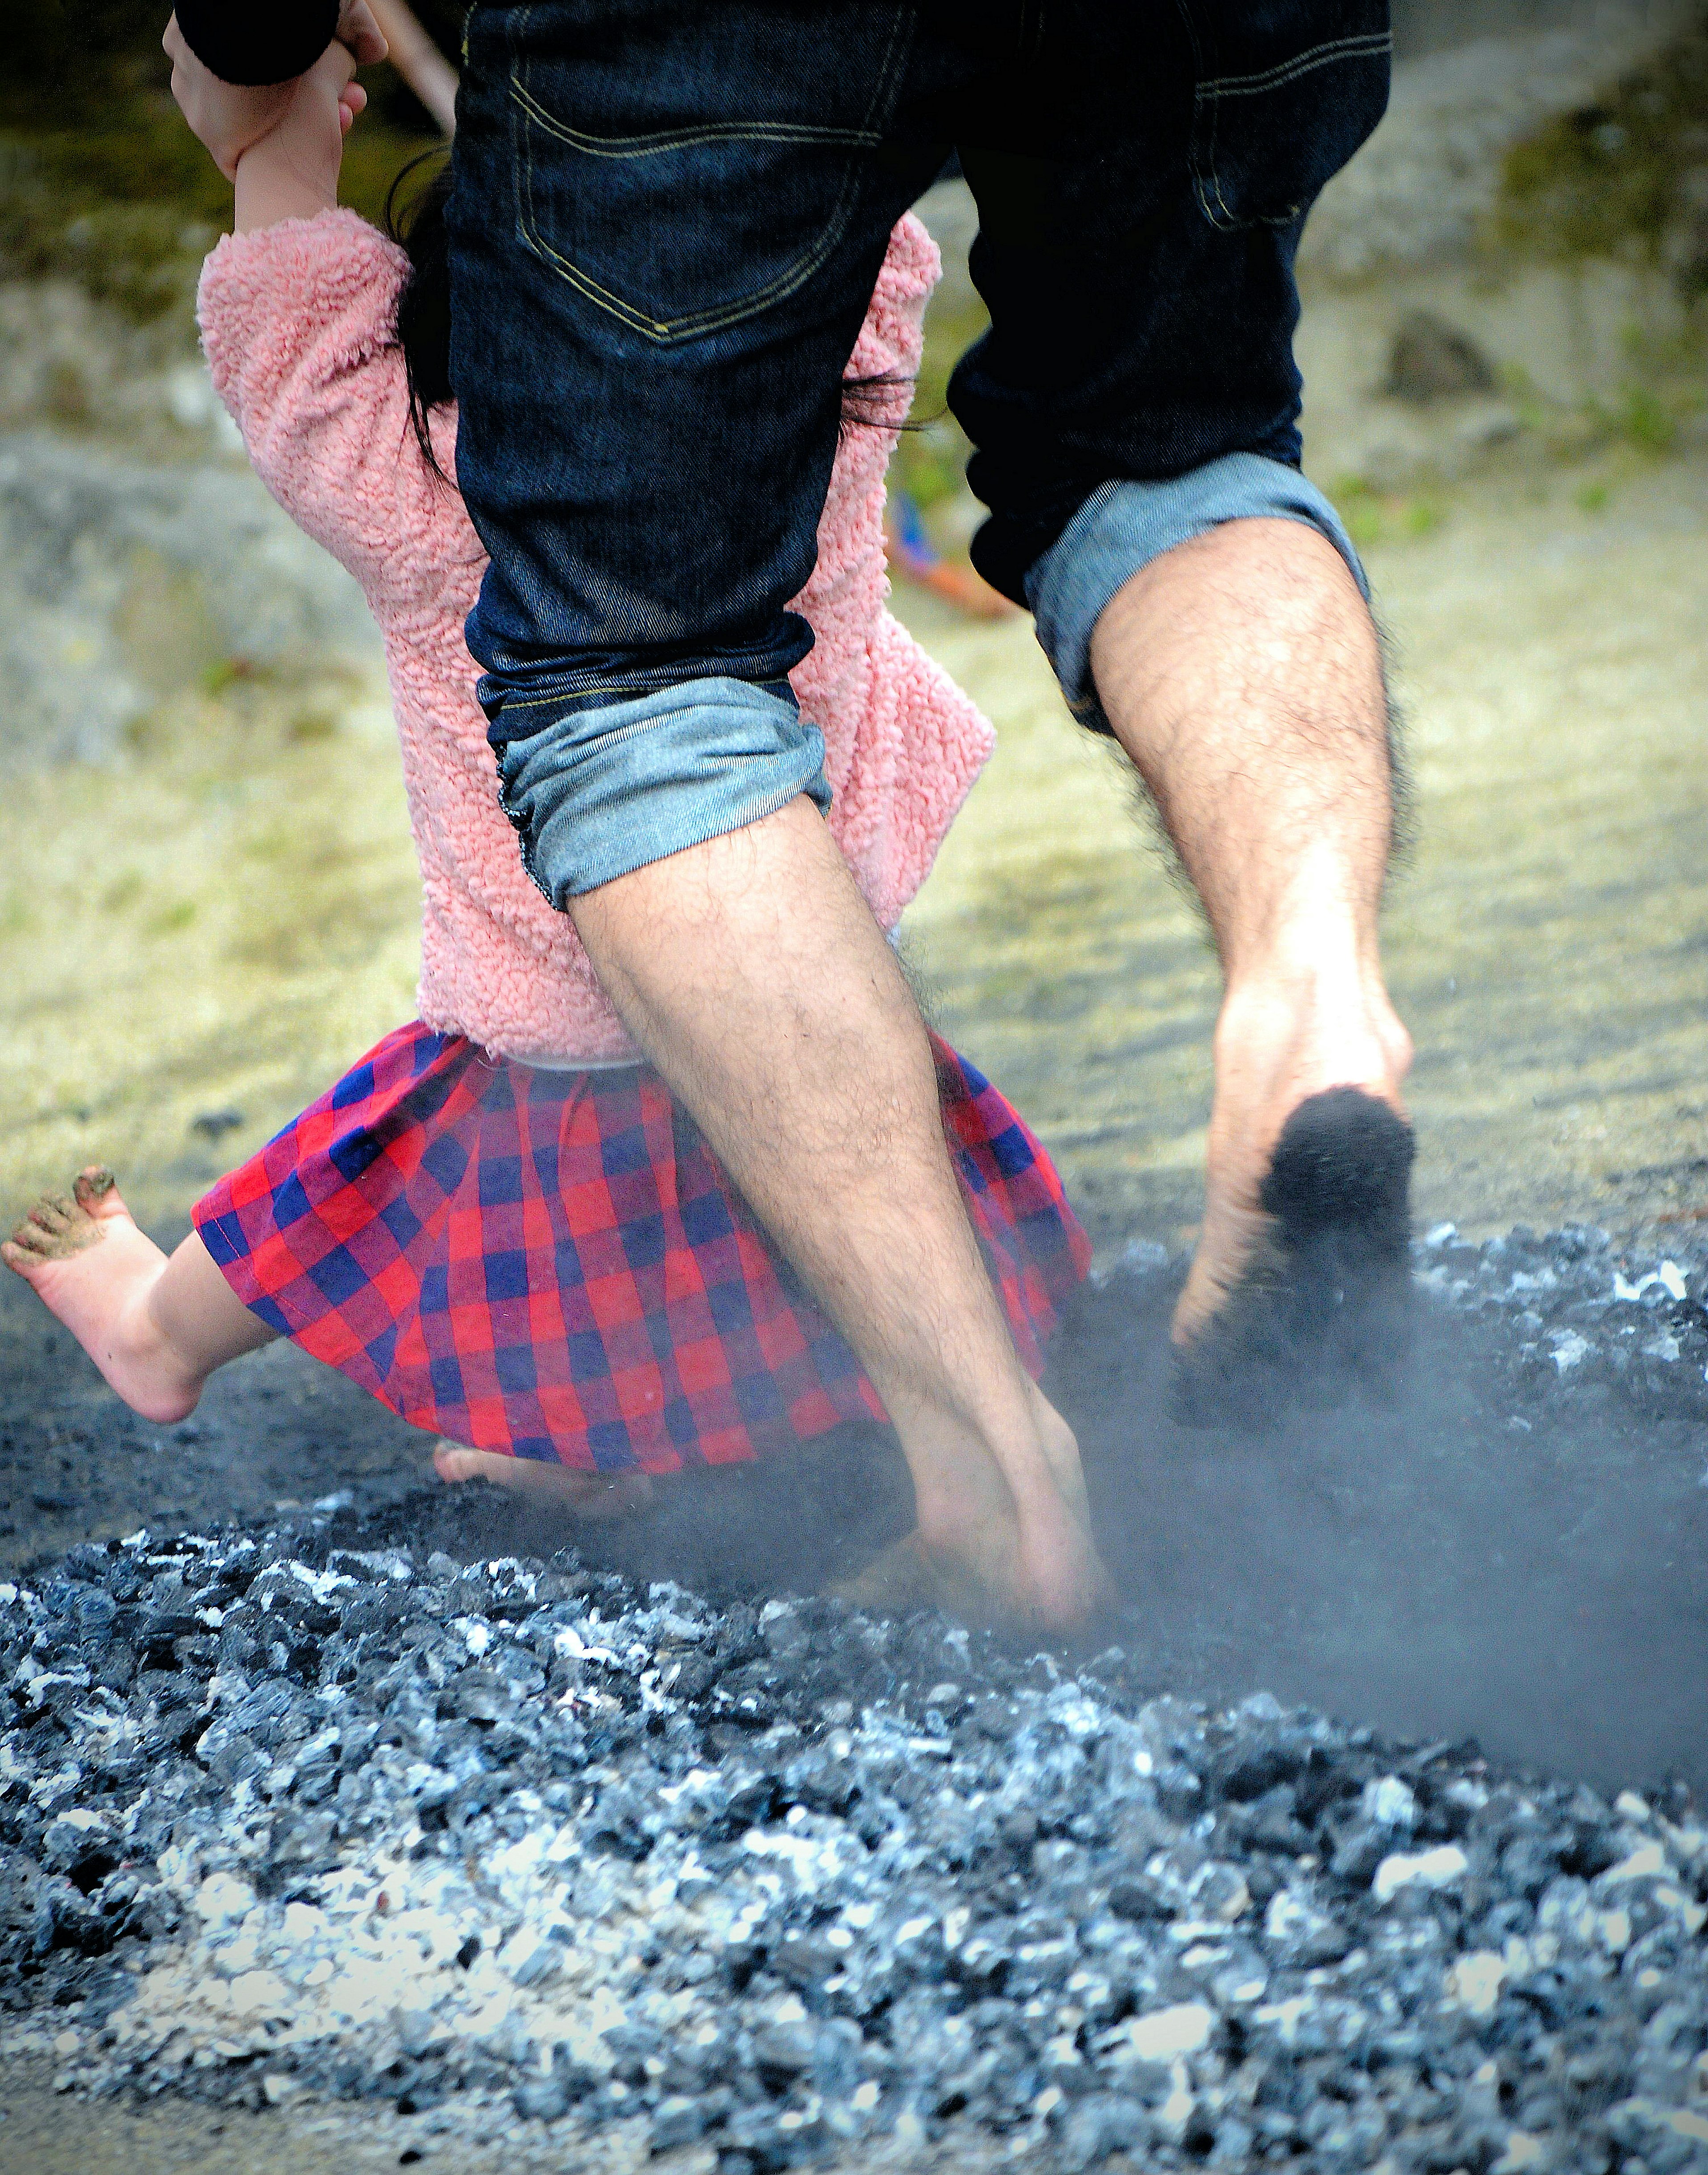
(1241, 673)
(752, 973)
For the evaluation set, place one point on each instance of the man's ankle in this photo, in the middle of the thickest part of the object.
(1291, 992)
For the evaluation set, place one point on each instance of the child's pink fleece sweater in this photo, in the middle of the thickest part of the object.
(298, 320)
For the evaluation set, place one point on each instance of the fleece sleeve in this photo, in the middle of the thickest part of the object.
(298, 321)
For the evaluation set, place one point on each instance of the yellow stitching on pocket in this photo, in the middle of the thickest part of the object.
(1371, 46)
(1206, 156)
(527, 112)
(728, 131)
(668, 331)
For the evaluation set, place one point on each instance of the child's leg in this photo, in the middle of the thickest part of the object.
(156, 1328)
(552, 1487)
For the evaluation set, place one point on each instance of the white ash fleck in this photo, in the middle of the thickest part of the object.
(1569, 1349)
(1424, 1869)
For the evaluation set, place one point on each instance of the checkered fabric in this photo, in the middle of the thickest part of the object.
(554, 1264)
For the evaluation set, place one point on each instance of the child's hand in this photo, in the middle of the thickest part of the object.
(285, 154)
(292, 172)
(228, 118)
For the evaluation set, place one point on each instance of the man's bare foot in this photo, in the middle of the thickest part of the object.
(986, 1587)
(92, 1267)
(1306, 1216)
(908, 1575)
(987, 1551)
(562, 1488)
(905, 1576)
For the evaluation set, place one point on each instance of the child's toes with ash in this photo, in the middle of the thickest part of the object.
(562, 1488)
(93, 1269)
(61, 1225)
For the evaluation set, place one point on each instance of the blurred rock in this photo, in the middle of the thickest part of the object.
(128, 581)
(1431, 359)
(214, 1124)
(1420, 191)
(1484, 424)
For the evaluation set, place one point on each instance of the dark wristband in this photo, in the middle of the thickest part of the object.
(258, 41)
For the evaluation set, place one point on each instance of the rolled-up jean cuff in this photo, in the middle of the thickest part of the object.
(608, 790)
(1124, 525)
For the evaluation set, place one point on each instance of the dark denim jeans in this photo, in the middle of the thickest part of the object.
(667, 220)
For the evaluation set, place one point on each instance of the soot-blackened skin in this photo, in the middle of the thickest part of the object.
(1324, 1308)
(356, 1804)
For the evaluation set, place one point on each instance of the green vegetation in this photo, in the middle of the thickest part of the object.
(1646, 420)
(1375, 517)
(101, 181)
(1625, 178)
(1624, 181)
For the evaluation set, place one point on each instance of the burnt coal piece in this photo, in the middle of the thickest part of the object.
(342, 1806)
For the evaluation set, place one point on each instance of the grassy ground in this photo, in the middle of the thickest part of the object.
(196, 941)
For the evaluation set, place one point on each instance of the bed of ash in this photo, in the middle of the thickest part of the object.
(373, 1803)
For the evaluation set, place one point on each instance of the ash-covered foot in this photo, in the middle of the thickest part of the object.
(909, 1575)
(95, 1271)
(1003, 1546)
(559, 1488)
(1322, 1302)
(990, 1557)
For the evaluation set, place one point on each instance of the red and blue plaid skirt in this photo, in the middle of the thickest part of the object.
(554, 1264)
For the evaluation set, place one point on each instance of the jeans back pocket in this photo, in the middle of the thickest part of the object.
(697, 167)
(1286, 91)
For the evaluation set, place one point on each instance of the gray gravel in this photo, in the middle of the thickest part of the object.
(323, 1808)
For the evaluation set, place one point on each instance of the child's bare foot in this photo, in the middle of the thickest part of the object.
(552, 1486)
(92, 1267)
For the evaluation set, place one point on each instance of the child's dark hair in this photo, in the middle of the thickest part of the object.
(424, 307)
(417, 221)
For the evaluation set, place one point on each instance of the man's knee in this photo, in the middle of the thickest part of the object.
(1127, 526)
(604, 791)
(1279, 571)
